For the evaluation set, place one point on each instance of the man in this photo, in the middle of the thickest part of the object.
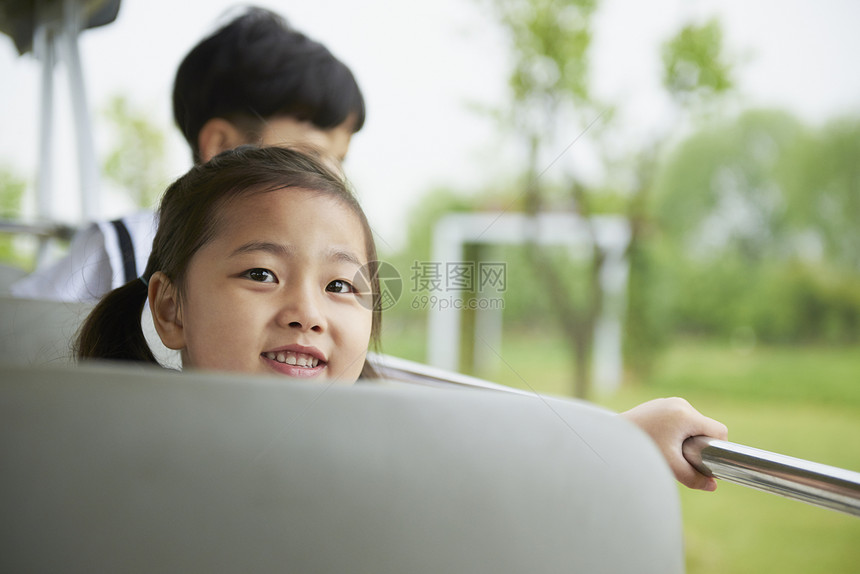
(255, 80)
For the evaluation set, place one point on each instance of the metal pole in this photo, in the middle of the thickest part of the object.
(405, 371)
(45, 52)
(798, 479)
(87, 165)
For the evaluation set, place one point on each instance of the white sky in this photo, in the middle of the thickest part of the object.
(420, 65)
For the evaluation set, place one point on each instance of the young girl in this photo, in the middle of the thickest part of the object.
(264, 263)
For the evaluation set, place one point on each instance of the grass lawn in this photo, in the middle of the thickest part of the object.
(799, 401)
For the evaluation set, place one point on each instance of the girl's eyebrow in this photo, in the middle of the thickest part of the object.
(265, 246)
(345, 256)
(281, 250)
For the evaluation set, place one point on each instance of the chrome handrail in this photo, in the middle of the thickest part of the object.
(817, 484)
(795, 478)
(404, 370)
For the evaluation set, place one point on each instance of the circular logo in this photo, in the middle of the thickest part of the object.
(388, 280)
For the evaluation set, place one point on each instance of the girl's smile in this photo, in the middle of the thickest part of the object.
(296, 361)
(274, 291)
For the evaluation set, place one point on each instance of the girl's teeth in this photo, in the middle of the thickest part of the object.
(290, 358)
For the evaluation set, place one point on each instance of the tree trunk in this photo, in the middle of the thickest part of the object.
(577, 326)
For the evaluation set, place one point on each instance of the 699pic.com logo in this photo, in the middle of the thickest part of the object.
(383, 293)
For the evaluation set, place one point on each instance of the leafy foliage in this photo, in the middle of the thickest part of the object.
(550, 41)
(820, 178)
(759, 217)
(694, 62)
(718, 190)
(12, 188)
(136, 162)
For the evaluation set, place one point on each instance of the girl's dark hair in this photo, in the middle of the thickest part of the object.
(257, 67)
(189, 217)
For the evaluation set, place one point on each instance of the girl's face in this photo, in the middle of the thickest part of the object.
(274, 292)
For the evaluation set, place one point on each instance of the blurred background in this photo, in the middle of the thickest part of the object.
(706, 156)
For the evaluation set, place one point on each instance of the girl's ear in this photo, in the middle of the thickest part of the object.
(166, 314)
(218, 135)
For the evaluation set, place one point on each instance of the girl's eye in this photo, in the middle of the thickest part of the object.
(260, 275)
(340, 286)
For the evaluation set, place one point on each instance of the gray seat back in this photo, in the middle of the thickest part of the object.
(41, 332)
(8, 275)
(118, 469)
(35, 332)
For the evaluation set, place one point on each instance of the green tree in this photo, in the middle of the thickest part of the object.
(549, 80)
(549, 42)
(719, 190)
(759, 223)
(698, 76)
(721, 212)
(695, 66)
(821, 181)
(136, 162)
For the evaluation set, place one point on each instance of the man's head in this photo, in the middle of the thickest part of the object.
(256, 80)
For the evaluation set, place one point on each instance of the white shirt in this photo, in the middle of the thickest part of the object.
(94, 264)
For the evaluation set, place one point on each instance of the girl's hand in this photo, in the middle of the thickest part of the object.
(669, 422)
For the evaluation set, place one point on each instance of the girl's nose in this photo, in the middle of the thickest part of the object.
(302, 309)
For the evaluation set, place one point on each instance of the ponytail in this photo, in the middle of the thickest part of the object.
(113, 330)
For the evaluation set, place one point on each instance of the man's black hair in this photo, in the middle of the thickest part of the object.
(257, 67)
